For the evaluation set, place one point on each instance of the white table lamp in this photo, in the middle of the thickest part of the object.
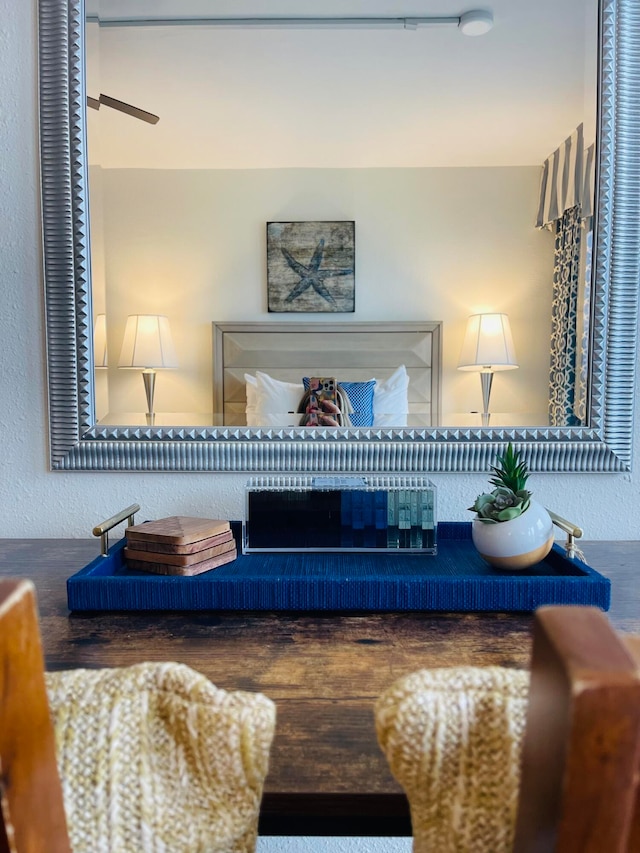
(100, 341)
(487, 348)
(148, 345)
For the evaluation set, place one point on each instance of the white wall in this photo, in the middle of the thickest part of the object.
(431, 244)
(37, 503)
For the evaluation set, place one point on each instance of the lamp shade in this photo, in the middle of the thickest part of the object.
(100, 341)
(147, 342)
(488, 344)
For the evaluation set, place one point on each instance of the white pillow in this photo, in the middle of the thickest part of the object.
(271, 402)
(251, 390)
(391, 400)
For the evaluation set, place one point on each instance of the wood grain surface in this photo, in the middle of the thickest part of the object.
(177, 530)
(180, 555)
(192, 568)
(581, 748)
(323, 670)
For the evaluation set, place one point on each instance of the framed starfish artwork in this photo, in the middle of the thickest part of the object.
(311, 267)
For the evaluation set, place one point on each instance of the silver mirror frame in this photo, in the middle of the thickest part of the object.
(78, 443)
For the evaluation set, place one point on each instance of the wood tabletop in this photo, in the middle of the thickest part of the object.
(324, 671)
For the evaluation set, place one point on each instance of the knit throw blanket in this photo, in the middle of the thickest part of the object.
(453, 740)
(155, 758)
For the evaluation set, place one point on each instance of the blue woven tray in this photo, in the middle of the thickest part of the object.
(456, 579)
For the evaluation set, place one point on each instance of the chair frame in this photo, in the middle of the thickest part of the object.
(33, 818)
(579, 790)
(581, 752)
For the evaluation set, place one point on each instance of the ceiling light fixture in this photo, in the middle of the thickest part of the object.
(476, 23)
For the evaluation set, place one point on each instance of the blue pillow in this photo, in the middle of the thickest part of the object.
(360, 396)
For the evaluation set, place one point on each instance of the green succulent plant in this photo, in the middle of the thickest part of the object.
(511, 470)
(509, 499)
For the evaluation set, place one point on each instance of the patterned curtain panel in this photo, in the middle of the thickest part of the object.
(584, 321)
(564, 320)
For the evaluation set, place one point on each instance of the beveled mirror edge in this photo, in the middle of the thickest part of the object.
(77, 443)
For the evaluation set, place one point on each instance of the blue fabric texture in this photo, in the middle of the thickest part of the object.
(360, 396)
(454, 579)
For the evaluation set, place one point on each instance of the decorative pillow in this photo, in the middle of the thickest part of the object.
(271, 402)
(155, 757)
(390, 400)
(360, 396)
(251, 390)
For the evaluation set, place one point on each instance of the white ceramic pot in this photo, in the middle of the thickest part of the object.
(515, 544)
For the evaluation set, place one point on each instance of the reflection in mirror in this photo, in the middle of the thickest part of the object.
(466, 163)
(438, 239)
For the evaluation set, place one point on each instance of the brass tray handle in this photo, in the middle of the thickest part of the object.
(102, 530)
(573, 532)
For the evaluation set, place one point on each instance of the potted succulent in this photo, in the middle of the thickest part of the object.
(511, 530)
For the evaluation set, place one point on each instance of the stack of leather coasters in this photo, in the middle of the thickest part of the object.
(179, 545)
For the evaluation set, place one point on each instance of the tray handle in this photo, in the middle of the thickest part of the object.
(573, 532)
(102, 529)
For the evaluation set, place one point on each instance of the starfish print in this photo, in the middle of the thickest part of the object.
(312, 275)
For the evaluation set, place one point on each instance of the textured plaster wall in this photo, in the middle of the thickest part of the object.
(36, 502)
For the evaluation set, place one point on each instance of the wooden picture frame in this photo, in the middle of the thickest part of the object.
(311, 267)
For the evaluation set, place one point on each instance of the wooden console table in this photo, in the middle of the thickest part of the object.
(324, 671)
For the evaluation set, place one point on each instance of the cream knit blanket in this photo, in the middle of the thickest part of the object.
(453, 740)
(155, 758)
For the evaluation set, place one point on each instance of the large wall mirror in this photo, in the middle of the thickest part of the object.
(486, 175)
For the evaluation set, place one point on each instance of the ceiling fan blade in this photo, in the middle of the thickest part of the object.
(130, 110)
(94, 103)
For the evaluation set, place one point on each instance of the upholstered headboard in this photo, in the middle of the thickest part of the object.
(352, 352)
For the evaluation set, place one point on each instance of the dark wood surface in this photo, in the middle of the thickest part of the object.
(324, 671)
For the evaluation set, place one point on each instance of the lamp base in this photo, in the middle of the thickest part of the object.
(149, 379)
(486, 378)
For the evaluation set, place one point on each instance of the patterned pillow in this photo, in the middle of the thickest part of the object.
(360, 396)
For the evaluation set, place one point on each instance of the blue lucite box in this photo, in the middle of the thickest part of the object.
(340, 513)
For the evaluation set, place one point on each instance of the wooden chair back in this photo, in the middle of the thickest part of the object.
(581, 752)
(33, 817)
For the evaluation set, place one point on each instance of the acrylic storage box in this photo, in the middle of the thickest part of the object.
(332, 513)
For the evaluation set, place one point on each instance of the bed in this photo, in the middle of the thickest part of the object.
(357, 353)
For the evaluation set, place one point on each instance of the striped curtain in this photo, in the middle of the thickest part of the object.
(587, 201)
(567, 180)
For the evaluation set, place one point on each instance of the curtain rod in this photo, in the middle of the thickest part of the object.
(407, 23)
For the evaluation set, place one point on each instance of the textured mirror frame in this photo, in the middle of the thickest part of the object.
(78, 443)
